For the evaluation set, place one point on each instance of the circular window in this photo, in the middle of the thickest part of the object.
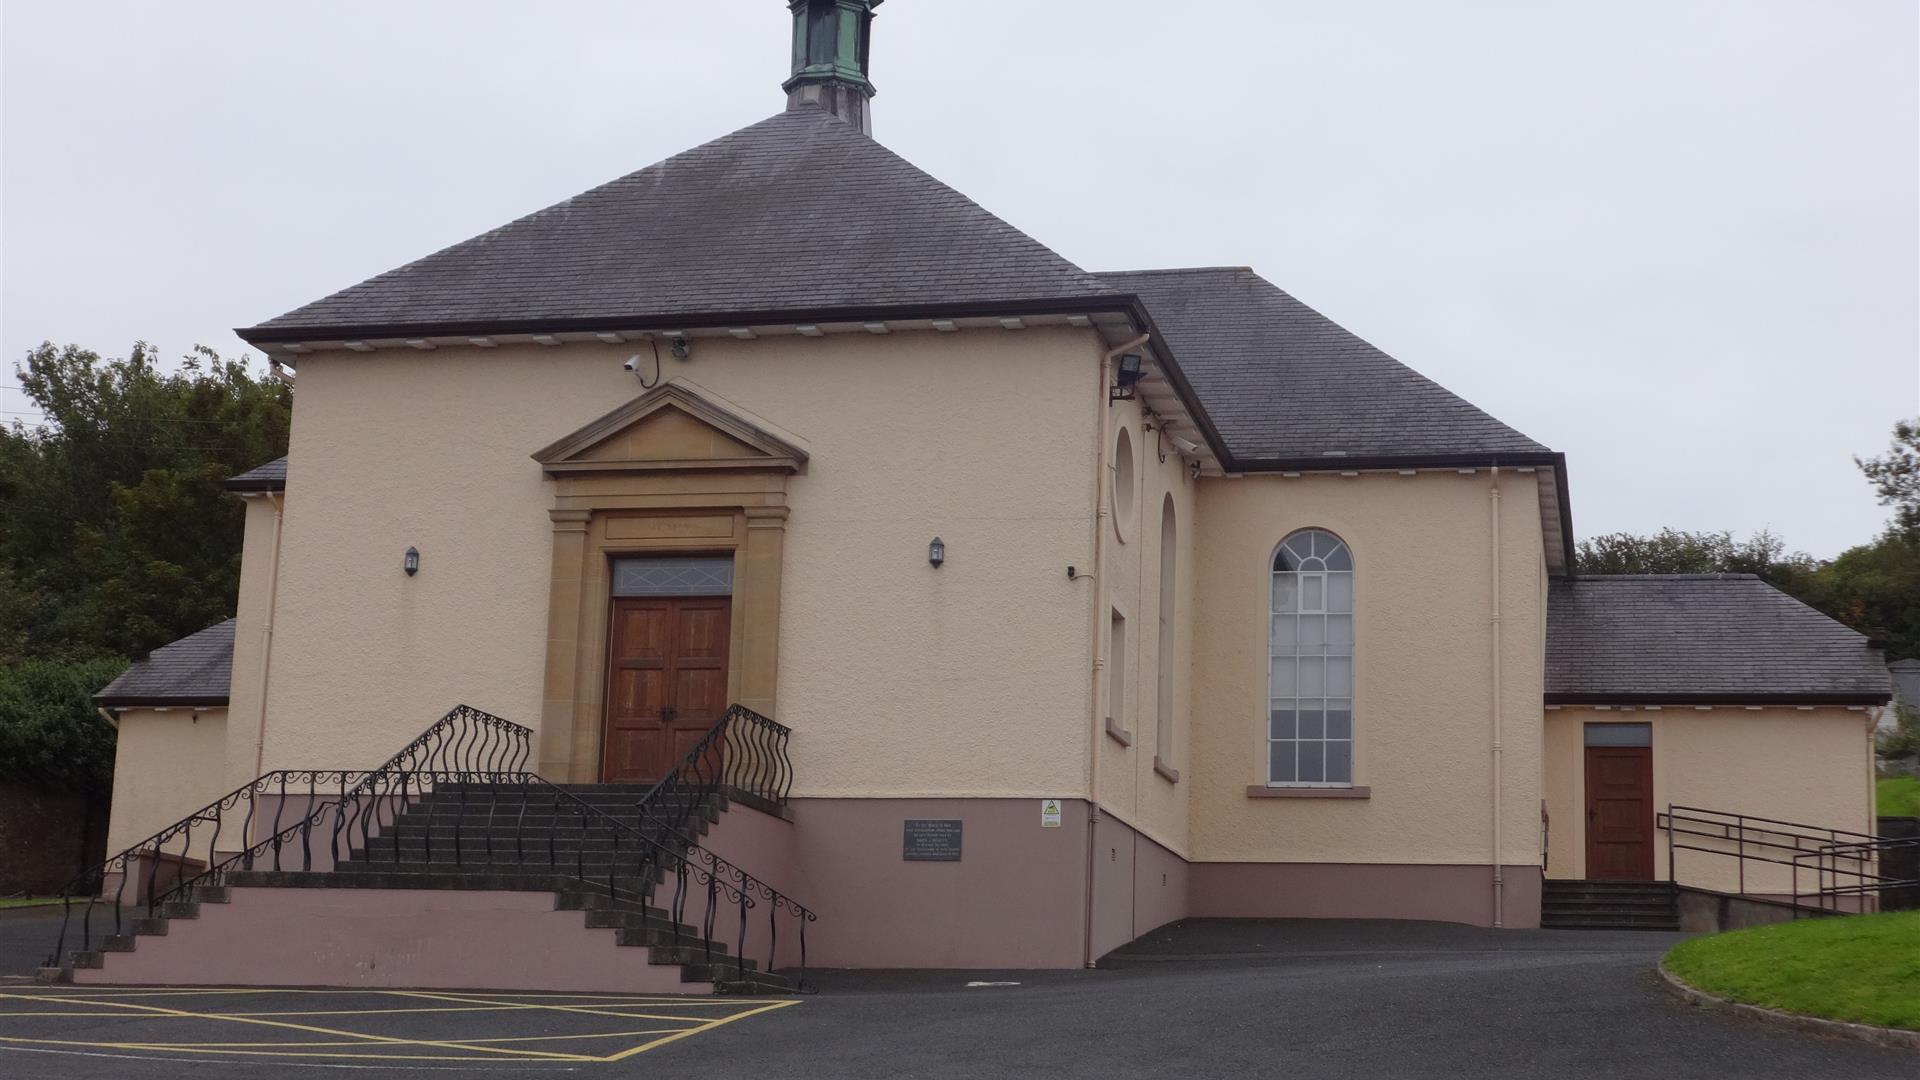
(1123, 484)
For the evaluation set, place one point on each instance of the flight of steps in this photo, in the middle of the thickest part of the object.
(507, 841)
(1609, 905)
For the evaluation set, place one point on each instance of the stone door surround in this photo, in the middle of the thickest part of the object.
(677, 470)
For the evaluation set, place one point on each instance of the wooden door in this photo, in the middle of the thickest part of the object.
(1620, 813)
(666, 682)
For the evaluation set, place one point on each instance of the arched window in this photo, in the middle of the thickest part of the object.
(1310, 669)
(1163, 656)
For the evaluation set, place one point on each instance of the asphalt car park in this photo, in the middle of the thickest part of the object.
(1309, 999)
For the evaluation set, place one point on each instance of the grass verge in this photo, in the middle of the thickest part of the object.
(16, 901)
(1897, 796)
(1862, 968)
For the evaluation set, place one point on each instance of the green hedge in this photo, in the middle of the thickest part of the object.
(50, 734)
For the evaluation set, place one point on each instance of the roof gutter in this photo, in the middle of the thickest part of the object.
(1127, 304)
(136, 702)
(269, 334)
(1716, 699)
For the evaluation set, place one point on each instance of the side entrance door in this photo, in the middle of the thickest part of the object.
(666, 682)
(1619, 785)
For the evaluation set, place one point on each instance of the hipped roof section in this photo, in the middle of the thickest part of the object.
(801, 217)
(195, 670)
(1709, 639)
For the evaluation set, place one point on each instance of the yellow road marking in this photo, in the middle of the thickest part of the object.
(577, 1009)
(703, 1029)
(499, 1039)
(524, 1056)
(174, 991)
(442, 1045)
(378, 1047)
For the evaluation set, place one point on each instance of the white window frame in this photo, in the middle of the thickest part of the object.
(1323, 576)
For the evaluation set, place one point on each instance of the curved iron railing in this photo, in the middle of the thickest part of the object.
(516, 820)
(676, 857)
(744, 754)
(168, 864)
(468, 767)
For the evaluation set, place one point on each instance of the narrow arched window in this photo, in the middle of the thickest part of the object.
(1310, 666)
(1164, 651)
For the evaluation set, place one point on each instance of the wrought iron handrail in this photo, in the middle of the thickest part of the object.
(743, 753)
(683, 857)
(638, 856)
(465, 737)
(1782, 843)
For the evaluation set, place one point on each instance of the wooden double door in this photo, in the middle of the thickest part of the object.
(666, 682)
(1619, 786)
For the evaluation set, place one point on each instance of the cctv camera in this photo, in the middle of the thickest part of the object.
(632, 364)
(681, 348)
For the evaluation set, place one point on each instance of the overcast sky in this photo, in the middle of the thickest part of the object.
(1676, 239)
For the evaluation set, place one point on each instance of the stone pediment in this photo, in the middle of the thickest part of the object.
(673, 427)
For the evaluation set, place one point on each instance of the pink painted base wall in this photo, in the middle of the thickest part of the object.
(1016, 898)
(1443, 893)
(763, 846)
(1161, 886)
(1138, 885)
(423, 938)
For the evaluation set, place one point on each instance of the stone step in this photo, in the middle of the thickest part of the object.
(731, 980)
(1568, 922)
(1657, 903)
(694, 955)
(1666, 911)
(482, 840)
(507, 830)
(1558, 884)
(510, 796)
(442, 861)
(511, 817)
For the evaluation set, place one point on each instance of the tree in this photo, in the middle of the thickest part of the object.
(1896, 477)
(1671, 551)
(50, 735)
(1874, 588)
(119, 537)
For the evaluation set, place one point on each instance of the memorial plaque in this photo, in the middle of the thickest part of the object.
(931, 840)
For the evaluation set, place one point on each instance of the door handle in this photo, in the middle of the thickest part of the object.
(666, 713)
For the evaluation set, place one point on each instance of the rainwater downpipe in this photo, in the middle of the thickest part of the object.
(1499, 870)
(1103, 512)
(266, 633)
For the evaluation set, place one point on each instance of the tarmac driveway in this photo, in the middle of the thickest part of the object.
(1305, 999)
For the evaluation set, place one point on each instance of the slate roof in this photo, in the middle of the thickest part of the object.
(1725, 639)
(1283, 382)
(799, 212)
(269, 477)
(196, 670)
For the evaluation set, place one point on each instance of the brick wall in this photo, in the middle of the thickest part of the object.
(46, 837)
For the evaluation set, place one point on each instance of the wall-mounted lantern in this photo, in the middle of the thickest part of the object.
(937, 552)
(1124, 377)
(411, 561)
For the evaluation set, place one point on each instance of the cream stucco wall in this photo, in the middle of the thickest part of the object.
(1423, 696)
(1151, 801)
(166, 765)
(899, 678)
(1811, 766)
(251, 618)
